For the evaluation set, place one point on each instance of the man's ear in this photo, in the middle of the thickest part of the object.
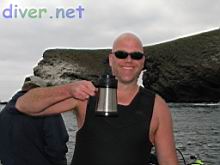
(110, 59)
(144, 60)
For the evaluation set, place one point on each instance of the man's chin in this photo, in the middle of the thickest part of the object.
(127, 81)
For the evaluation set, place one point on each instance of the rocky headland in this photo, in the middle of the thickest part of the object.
(183, 70)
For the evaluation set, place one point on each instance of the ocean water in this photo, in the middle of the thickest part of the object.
(196, 131)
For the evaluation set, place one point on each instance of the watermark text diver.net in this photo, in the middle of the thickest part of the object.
(15, 12)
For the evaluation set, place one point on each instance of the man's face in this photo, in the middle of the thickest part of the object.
(126, 70)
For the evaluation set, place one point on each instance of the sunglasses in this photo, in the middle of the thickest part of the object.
(123, 55)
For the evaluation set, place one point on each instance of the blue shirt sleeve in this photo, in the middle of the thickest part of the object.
(10, 106)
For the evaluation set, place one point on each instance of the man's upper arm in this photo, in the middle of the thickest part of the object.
(164, 139)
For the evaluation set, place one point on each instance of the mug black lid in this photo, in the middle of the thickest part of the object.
(107, 81)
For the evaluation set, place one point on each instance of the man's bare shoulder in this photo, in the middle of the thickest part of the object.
(161, 115)
(160, 106)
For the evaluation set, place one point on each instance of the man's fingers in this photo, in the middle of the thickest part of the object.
(89, 88)
(83, 89)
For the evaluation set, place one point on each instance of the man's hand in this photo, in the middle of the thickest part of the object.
(82, 89)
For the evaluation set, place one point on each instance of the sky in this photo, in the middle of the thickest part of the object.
(28, 28)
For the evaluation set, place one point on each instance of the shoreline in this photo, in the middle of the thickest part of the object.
(3, 102)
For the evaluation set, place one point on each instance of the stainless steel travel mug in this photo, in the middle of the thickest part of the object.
(107, 96)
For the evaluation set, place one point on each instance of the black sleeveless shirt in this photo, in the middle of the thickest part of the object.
(122, 140)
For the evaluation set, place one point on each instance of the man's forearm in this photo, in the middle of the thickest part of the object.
(39, 99)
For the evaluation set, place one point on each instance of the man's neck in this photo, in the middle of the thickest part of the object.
(126, 93)
(122, 87)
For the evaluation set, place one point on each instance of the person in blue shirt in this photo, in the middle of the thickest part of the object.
(31, 140)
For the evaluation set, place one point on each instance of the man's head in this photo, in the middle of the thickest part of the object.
(126, 59)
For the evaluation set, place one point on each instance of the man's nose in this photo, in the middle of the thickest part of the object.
(128, 59)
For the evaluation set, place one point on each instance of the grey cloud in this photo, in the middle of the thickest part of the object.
(23, 41)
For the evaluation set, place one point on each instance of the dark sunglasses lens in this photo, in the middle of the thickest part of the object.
(134, 55)
(121, 54)
(137, 55)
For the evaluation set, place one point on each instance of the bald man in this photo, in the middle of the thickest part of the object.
(144, 118)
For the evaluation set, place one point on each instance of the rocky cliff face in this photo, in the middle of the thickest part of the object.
(184, 70)
(61, 66)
